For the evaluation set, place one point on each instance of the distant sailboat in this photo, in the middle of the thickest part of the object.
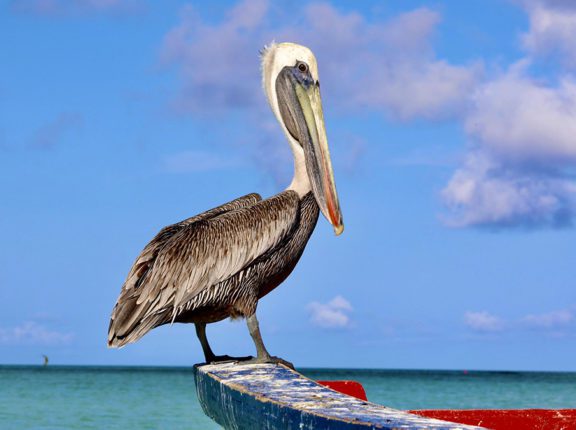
(45, 360)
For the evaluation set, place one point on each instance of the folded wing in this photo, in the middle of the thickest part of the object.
(187, 257)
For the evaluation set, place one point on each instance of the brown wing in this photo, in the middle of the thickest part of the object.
(123, 312)
(188, 258)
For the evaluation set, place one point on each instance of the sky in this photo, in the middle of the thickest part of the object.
(452, 128)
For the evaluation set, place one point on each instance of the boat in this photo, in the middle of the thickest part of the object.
(270, 397)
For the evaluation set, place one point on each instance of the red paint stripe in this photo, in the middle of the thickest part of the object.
(512, 419)
(496, 419)
(351, 388)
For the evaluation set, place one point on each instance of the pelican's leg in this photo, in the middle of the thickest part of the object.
(263, 355)
(208, 354)
(201, 333)
(254, 328)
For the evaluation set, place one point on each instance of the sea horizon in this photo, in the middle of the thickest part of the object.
(143, 396)
(384, 369)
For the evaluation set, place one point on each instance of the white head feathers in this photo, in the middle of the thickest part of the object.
(275, 57)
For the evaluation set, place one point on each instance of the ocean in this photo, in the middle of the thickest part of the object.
(85, 397)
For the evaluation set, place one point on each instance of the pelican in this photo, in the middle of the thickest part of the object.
(220, 263)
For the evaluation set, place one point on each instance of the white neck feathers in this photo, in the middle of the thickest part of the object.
(274, 58)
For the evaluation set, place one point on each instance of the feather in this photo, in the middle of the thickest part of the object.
(189, 257)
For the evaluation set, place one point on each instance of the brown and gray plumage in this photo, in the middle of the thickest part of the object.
(220, 263)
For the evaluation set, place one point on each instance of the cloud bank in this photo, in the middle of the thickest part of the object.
(552, 30)
(519, 168)
(386, 66)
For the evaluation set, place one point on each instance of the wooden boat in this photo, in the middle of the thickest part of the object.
(269, 396)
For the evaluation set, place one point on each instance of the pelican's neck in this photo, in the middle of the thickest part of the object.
(300, 182)
(270, 70)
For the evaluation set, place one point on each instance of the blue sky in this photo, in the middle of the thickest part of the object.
(452, 130)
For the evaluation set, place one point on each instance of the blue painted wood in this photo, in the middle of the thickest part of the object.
(269, 397)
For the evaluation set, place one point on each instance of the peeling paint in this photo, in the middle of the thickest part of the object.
(269, 396)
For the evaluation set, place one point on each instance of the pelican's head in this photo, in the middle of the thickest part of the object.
(290, 80)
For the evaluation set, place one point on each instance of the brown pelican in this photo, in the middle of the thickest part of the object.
(220, 263)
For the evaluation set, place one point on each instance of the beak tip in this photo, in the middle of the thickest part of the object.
(338, 229)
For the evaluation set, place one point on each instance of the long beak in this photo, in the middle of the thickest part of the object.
(301, 109)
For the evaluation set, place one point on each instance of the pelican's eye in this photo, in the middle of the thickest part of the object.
(303, 67)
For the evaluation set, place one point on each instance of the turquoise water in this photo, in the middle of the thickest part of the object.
(61, 397)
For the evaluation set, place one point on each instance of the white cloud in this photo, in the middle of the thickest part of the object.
(550, 320)
(388, 67)
(429, 90)
(385, 66)
(483, 321)
(517, 170)
(519, 167)
(525, 120)
(333, 314)
(484, 192)
(218, 63)
(521, 130)
(552, 30)
(553, 322)
(32, 333)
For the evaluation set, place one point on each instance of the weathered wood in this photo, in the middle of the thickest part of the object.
(270, 397)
